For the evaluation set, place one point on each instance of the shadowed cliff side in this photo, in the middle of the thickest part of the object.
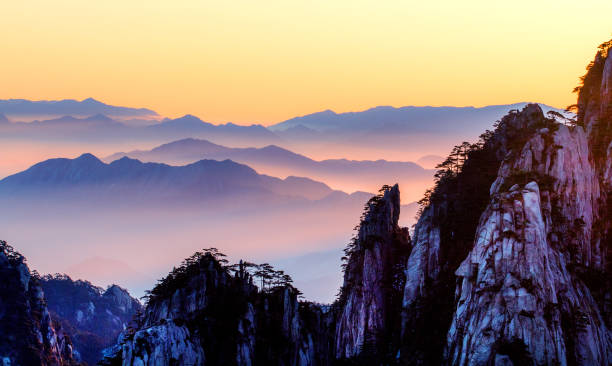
(369, 302)
(28, 336)
(201, 314)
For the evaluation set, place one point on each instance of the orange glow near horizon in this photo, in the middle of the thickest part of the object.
(266, 61)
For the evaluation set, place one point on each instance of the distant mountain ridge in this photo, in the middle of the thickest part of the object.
(395, 134)
(202, 179)
(130, 205)
(409, 117)
(16, 109)
(190, 125)
(363, 175)
(106, 128)
(405, 133)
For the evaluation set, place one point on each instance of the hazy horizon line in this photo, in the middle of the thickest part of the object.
(162, 118)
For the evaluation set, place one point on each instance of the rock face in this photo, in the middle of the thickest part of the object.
(28, 336)
(444, 235)
(203, 315)
(93, 316)
(370, 297)
(535, 287)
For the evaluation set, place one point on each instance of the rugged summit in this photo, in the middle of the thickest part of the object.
(370, 298)
(201, 314)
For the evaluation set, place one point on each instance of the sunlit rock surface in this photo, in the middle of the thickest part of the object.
(535, 288)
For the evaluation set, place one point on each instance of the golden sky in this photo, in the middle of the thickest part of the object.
(266, 61)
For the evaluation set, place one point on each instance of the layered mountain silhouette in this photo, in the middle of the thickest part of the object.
(76, 203)
(405, 133)
(380, 133)
(205, 179)
(398, 120)
(28, 110)
(105, 128)
(348, 175)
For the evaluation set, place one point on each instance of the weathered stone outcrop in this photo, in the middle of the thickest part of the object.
(165, 344)
(444, 235)
(517, 299)
(533, 289)
(370, 298)
(28, 335)
(204, 315)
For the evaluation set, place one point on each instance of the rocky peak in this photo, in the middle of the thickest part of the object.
(382, 215)
(534, 287)
(517, 301)
(540, 219)
(202, 314)
(370, 297)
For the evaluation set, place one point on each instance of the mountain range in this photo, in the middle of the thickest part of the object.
(28, 110)
(381, 132)
(100, 128)
(505, 267)
(343, 174)
(509, 263)
(403, 119)
(205, 179)
(206, 203)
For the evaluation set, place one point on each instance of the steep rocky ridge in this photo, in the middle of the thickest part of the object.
(202, 314)
(28, 335)
(534, 287)
(528, 287)
(445, 231)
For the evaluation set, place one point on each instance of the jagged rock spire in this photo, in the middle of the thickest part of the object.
(370, 299)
